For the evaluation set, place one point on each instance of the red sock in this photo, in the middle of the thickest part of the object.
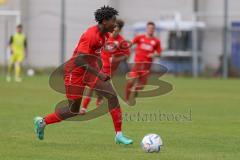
(142, 82)
(128, 90)
(139, 87)
(86, 101)
(52, 118)
(116, 114)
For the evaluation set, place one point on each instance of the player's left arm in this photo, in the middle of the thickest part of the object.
(157, 50)
(136, 40)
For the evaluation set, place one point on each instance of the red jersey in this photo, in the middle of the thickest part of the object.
(91, 43)
(145, 47)
(114, 47)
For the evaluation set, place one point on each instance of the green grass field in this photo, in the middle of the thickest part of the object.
(212, 134)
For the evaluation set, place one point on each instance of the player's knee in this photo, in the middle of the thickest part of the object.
(113, 102)
(67, 109)
(111, 96)
(65, 112)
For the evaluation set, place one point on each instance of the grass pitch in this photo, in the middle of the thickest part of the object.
(205, 124)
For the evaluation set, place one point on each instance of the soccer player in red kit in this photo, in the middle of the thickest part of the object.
(82, 70)
(112, 54)
(148, 47)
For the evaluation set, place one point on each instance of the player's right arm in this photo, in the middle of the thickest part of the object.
(157, 50)
(84, 50)
(136, 39)
(81, 61)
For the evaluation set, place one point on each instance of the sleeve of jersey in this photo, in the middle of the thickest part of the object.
(158, 47)
(136, 40)
(127, 52)
(86, 44)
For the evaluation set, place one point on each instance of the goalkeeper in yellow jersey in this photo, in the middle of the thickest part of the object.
(18, 46)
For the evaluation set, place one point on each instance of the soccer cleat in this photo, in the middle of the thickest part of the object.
(39, 126)
(121, 139)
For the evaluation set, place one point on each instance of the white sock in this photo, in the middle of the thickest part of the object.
(42, 123)
(83, 109)
(119, 133)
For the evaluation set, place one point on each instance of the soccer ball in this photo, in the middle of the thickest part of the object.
(151, 143)
(30, 72)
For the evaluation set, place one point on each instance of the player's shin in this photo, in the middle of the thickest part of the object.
(116, 114)
(128, 90)
(51, 118)
(86, 102)
(120, 138)
(17, 70)
(10, 64)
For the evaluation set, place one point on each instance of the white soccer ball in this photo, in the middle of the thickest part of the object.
(30, 72)
(151, 143)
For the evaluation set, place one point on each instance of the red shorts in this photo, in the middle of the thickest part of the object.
(106, 70)
(109, 69)
(139, 70)
(76, 83)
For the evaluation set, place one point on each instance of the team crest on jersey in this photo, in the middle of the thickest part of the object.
(116, 43)
(153, 42)
(111, 46)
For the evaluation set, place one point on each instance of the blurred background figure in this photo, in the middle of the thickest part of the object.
(18, 47)
(147, 47)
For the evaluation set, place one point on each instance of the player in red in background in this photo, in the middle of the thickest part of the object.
(148, 47)
(82, 70)
(113, 53)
